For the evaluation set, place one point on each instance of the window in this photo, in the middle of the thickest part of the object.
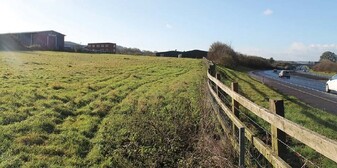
(106, 45)
(93, 45)
(334, 77)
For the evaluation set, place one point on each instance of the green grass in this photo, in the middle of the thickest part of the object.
(323, 73)
(68, 109)
(314, 119)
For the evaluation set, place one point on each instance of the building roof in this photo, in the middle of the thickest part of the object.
(186, 54)
(35, 32)
(101, 43)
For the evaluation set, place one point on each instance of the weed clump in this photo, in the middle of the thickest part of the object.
(31, 139)
(57, 86)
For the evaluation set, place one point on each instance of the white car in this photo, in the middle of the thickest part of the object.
(284, 73)
(331, 84)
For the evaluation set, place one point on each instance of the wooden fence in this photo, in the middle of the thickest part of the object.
(280, 126)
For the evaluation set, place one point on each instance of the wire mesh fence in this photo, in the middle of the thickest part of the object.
(253, 157)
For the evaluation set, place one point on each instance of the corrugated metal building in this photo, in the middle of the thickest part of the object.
(185, 54)
(45, 40)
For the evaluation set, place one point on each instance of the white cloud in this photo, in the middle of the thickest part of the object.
(296, 51)
(168, 26)
(268, 12)
(303, 48)
(303, 51)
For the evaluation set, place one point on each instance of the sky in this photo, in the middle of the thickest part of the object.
(294, 30)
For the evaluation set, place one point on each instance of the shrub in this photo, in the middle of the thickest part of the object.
(223, 54)
(326, 66)
(254, 62)
(328, 55)
(171, 130)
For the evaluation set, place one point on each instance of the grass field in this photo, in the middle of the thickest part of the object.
(68, 109)
(314, 119)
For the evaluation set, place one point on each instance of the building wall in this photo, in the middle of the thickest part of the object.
(102, 47)
(60, 42)
(8, 43)
(49, 40)
(185, 54)
(45, 40)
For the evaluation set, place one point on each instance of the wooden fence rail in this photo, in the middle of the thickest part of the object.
(279, 125)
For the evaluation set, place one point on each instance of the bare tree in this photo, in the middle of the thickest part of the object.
(223, 54)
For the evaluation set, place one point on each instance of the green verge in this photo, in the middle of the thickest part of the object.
(75, 110)
(323, 73)
(314, 119)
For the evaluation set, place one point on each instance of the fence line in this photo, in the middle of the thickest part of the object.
(279, 124)
(258, 143)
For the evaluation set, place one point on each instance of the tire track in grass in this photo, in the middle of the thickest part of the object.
(129, 89)
(54, 137)
(162, 80)
(90, 78)
(105, 87)
(32, 118)
(117, 78)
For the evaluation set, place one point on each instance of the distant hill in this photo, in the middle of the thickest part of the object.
(71, 44)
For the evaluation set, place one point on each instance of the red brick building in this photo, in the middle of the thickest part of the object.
(102, 47)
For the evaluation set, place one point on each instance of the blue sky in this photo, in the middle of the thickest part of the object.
(282, 29)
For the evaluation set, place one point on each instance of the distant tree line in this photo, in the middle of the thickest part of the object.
(221, 53)
(132, 51)
(73, 47)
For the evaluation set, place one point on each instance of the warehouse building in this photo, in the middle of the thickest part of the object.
(102, 47)
(185, 54)
(42, 40)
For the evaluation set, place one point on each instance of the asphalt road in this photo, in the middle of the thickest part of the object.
(308, 90)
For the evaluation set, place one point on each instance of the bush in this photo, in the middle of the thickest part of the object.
(328, 55)
(254, 62)
(171, 130)
(222, 54)
(326, 66)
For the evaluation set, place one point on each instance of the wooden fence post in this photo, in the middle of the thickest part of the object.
(212, 69)
(218, 76)
(242, 147)
(235, 105)
(277, 106)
